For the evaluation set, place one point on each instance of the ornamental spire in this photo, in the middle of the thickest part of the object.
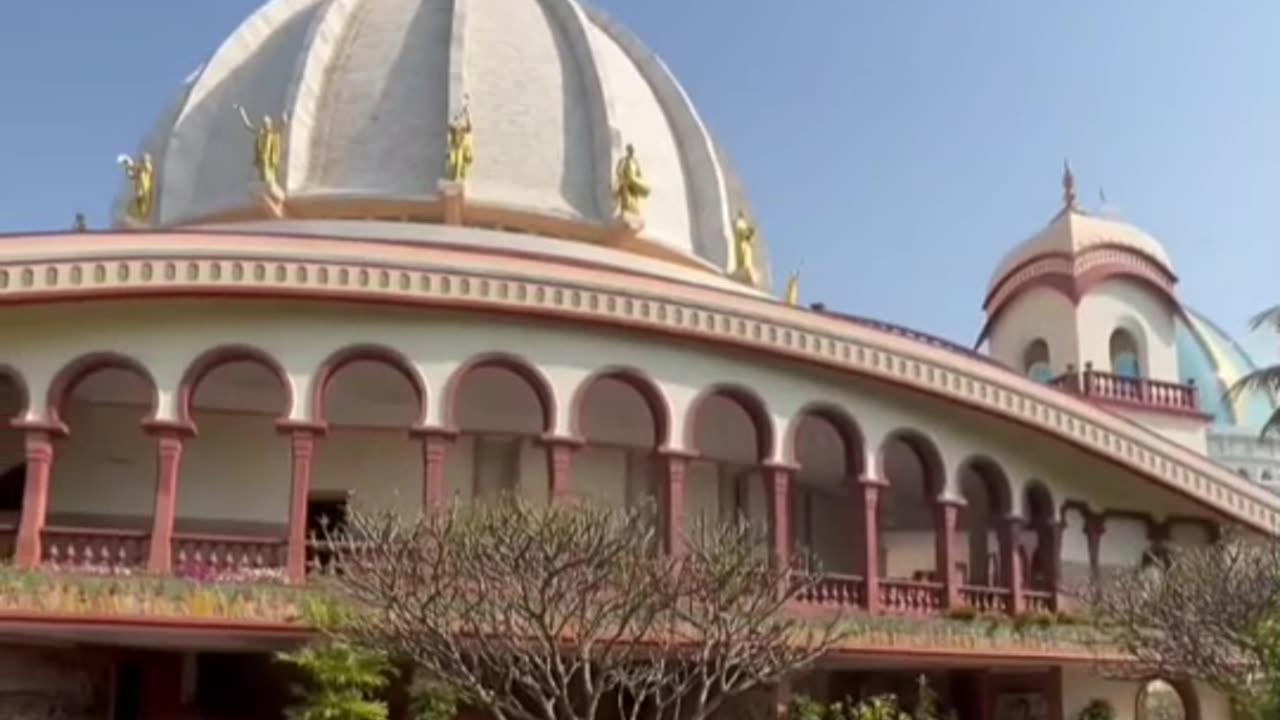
(1068, 187)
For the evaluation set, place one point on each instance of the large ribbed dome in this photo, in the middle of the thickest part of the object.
(555, 92)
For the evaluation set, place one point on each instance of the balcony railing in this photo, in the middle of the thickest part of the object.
(94, 549)
(1132, 391)
(218, 557)
(836, 591)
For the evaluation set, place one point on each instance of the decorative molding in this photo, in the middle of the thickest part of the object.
(157, 265)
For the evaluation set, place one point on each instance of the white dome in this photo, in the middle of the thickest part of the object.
(555, 92)
(1071, 234)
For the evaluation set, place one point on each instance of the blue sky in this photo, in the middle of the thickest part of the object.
(894, 149)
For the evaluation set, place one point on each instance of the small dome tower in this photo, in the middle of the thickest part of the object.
(1088, 304)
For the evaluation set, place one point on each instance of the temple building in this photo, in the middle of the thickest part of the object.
(399, 253)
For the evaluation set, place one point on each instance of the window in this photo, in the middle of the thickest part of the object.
(1124, 354)
(1158, 700)
(1035, 361)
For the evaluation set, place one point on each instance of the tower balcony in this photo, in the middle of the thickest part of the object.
(1124, 391)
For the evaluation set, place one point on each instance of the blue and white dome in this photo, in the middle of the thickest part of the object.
(1214, 361)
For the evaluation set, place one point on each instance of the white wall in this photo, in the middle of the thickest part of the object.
(1037, 313)
(1121, 302)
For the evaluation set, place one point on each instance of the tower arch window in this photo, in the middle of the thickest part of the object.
(1125, 359)
(1035, 361)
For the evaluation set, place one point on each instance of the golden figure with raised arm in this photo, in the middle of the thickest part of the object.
(268, 140)
(629, 185)
(459, 151)
(142, 174)
(744, 249)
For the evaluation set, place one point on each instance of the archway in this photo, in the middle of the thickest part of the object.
(501, 408)
(13, 460)
(731, 434)
(233, 496)
(1044, 553)
(987, 546)
(907, 522)
(369, 399)
(622, 419)
(825, 496)
(985, 490)
(1159, 699)
(102, 489)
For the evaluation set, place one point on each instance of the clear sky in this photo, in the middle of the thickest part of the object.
(894, 149)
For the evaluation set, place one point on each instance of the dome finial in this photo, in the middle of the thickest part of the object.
(1068, 186)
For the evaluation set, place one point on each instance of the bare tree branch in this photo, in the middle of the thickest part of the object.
(1201, 612)
(546, 613)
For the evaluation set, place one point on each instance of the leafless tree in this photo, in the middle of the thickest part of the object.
(1204, 612)
(566, 611)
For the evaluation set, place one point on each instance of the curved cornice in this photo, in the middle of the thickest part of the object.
(84, 266)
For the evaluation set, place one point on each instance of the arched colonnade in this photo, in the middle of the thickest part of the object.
(802, 482)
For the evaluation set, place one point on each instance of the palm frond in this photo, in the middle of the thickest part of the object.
(1269, 317)
(1266, 380)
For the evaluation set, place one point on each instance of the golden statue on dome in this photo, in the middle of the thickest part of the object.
(792, 294)
(629, 185)
(141, 173)
(268, 141)
(460, 152)
(744, 250)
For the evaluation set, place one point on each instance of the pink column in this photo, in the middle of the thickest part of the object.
(302, 445)
(169, 438)
(777, 488)
(944, 530)
(1054, 537)
(673, 467)
(1094, 527)
(435, 446)
(871, 540)
(35, 494)
(1011, 561)
(560, 467)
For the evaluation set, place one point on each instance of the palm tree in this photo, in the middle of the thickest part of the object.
(1265, 379)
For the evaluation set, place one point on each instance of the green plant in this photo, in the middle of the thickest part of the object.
(880, 707)
(1097, 709)
(341, 682)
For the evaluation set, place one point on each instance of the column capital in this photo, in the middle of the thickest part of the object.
(677, 453)
(868, 481)
(293, 427)
(779, 466)
(434, 431)
(35, 427)
(1095, 524)
(169, 429)
(551, 440)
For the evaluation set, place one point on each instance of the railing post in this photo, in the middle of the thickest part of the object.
(870, 487)
(1094, 527)
(673, 466)
(1010, 537)
(777, 488)
(1054, 580)
(947, 511)
(35, 494)
(302, 444)
(169, 441)
(435, 448)
(560, 466)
